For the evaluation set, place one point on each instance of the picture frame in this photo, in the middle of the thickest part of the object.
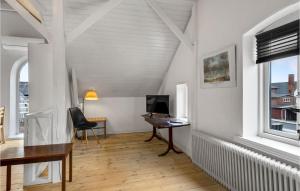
(218, 69)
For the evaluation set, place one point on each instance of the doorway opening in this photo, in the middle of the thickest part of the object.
(23, 99)
(19, 98)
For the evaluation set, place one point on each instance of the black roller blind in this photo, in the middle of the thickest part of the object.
(278, 43)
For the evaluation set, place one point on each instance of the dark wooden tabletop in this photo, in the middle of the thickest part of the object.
(33, 154)
(165, 122)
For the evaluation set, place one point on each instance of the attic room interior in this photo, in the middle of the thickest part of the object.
(160, 95)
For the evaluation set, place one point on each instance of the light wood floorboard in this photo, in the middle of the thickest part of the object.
(123, 163)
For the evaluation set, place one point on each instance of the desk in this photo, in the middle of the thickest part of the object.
(37, 154)
(163, 123)
(99, 120)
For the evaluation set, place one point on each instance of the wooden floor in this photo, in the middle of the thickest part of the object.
(121, 163)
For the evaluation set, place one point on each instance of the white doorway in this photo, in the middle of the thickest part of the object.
(23, 100)
(19, 97)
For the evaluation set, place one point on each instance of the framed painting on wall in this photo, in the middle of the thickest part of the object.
(218, 70)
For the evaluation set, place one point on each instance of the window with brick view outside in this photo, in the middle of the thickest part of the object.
(284, 83)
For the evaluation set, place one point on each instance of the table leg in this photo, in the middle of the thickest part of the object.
(171, 141)
(178, 152)
(8, 177)
(70, 166)
(170, 144)
(63, 179)
(166, 152)
(153, 135)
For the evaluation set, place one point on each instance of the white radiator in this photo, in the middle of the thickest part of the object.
(240, 169)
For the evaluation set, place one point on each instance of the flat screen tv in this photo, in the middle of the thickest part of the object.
(157, 104)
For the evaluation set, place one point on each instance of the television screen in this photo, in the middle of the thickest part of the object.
(157, 104)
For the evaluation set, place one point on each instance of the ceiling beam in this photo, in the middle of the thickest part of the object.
(92, 19)
(39, 6)
(20, 41)
(30, 19)
(171, 25)
(15, 48)
(8, 10)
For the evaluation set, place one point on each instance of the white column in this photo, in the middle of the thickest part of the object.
(60, 87)
(59, 72)
(40, 90)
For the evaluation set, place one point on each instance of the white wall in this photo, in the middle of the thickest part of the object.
(123, 113)
(12, 24)
(40, 77)
(221, 23)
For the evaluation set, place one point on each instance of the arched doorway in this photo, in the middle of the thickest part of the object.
(18, 97)
(23, 99)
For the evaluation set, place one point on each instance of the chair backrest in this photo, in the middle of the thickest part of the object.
(77, 116)
(2, 109)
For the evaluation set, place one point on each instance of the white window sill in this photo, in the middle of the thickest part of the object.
(286, 152)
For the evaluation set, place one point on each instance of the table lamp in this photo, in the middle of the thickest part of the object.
(90, 95)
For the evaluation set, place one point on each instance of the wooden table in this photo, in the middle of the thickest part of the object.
(164, 123)
(99, 120)
(37, 154)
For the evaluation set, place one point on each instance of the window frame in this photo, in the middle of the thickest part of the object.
(187, 102)
(265, 103)
(286, 100)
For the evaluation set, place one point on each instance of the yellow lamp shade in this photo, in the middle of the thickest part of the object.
(91, 95)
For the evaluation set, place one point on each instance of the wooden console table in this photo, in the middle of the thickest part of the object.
(164, 123)
(37, 154)
(99, 120)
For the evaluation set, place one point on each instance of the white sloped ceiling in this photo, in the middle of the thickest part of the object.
(128, 51)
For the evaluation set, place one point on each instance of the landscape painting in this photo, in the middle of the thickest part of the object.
(218, 69)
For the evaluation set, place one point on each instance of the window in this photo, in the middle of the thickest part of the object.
(278, 52)
(286, 100)
(182, 101)
(281, 90)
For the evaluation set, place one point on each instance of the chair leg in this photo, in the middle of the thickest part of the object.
(86, 137)
(74, 135)
(98, 141)
(82, 136)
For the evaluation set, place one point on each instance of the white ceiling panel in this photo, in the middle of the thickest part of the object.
(128, 51)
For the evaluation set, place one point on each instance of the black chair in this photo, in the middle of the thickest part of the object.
(80, 123)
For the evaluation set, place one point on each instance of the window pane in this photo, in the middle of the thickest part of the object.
(181, 101)
(284, 91)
